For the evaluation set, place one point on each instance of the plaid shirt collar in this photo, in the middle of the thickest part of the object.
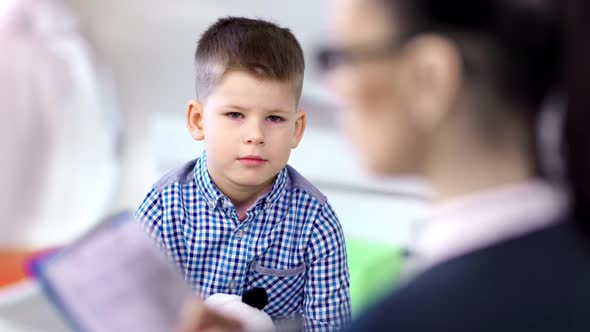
(214, 196)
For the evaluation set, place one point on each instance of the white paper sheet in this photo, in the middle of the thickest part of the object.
(116, 279)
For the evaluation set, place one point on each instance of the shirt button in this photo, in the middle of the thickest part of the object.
(240, 234)
(232, 285)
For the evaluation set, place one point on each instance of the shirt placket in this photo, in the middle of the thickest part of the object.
(237, 248)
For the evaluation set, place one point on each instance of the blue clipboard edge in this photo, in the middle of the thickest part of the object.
(38, 265)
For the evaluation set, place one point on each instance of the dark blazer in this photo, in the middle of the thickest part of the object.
(537, 282)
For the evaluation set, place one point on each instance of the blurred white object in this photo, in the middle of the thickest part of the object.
(58, 140)
(253, 320)
(23, 308)
(58, 137)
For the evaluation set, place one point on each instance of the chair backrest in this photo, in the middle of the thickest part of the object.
(374, 268)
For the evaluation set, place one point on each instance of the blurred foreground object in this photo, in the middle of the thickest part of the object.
(60, 129)
(114, 279)
(58, 140)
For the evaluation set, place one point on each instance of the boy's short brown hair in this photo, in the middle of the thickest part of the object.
(256, 46)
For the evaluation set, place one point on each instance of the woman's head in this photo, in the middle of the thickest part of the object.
(427, 81)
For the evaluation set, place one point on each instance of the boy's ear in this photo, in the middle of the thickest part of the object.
(300, 123)
(194, 120)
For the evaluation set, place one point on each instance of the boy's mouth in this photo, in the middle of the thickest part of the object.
(252, 160)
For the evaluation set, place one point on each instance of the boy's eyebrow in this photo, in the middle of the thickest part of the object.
(239, 108)
(277, 110)
(244, 109)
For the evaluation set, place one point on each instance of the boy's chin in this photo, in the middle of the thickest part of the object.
(252, 181)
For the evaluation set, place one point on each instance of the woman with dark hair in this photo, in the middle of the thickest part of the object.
(453, 91)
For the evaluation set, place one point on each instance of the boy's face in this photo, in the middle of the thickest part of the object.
(249, 127)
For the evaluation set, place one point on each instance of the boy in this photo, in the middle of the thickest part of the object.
(238, 217)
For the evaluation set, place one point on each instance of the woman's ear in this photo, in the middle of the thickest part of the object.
(300, 123)
(432, 73)
(194, 120)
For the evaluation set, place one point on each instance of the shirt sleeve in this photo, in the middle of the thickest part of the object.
(326, 301)
(149, 215)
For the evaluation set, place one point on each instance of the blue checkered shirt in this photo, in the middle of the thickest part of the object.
(291, 244)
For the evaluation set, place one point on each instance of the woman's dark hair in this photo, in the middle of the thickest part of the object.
(576, 128)
(539, 47)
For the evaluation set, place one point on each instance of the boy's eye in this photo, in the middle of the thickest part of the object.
(234, 115)
(274, 118)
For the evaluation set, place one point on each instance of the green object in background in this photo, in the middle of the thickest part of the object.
(374, 268)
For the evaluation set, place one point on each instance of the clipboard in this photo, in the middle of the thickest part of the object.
(114, 278)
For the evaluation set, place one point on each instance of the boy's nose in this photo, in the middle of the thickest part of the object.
(254, 136)
(256, 140)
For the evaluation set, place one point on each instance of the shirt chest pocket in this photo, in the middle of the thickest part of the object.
(283, 286)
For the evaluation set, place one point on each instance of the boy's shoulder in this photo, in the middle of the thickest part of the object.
(181, 175)
(301, 183)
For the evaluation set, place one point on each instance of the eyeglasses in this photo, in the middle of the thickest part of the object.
(331, 57)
